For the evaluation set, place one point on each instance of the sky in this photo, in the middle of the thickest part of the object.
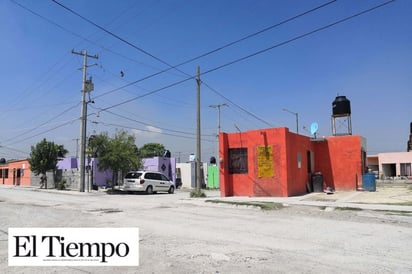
(256, 58)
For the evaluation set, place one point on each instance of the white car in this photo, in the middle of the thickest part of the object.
(148, 181)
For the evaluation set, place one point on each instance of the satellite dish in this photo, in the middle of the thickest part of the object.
(314, 128)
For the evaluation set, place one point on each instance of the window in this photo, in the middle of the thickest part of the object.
(133, 175)
(157, 176)
(153, 176)
(149, 176)
(406, 169)
(238, 163)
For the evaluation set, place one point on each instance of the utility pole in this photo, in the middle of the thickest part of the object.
(218, 107)
(77, 147)
(178, 157)
(198, 162)
(87, 86)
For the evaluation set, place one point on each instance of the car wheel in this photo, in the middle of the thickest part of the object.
(171, 190)
(149, 190)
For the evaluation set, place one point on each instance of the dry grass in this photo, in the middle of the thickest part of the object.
(261, 205)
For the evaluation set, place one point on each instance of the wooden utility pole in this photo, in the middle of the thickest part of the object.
(198, 158)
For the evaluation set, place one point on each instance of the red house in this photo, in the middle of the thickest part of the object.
(276, 162)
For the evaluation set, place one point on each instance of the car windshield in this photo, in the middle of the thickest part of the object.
(133, 175)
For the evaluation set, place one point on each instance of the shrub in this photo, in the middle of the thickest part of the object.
(197, 194)
(61, 185)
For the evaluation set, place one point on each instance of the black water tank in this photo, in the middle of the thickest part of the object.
(411, 127)
(341, 106)
(2, 161)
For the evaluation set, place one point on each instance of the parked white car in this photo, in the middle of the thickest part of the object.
(148, 181)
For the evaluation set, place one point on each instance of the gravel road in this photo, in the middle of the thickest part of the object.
(183, 235)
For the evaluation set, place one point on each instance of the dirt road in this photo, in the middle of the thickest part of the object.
(183, 235)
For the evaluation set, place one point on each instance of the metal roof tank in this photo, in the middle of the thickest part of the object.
(341, 106)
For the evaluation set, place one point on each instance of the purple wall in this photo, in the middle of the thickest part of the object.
(162, 164)
(99, 178)
(67, 163)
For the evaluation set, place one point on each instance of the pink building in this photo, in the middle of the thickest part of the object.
(391, 164)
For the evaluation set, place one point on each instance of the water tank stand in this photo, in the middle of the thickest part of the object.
(345, 124)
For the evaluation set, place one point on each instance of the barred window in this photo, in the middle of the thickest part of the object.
(238, 163)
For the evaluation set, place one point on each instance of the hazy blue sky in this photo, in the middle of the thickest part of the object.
(368, 59)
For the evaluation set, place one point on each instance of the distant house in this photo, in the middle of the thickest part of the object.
(166, 165)
(15, 172)
(391, 164)
(276, 162)
(68, 168)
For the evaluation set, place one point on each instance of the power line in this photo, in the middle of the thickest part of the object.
(238, 106)
(151, 131)
(247, 56)
(192, 59)
(299, 37)
(202, 55)
(82, 37)
(234, 61)
(14, 149)
(195, 58)
(147, 124)
(46, 131)
(119, 38)
(41, 125)
(256, 33)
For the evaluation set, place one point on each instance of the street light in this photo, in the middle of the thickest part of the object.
(218, 107)
(297, 118)
(218, 114)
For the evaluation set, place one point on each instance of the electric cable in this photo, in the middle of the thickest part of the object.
(147, 124)
(192, 59)
(237, 60)
(119, 38)
(242, 58)
(151, 131)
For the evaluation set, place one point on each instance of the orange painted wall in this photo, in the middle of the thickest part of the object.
(339, 158)
(297, 163)
(18, 173)
(288, 178)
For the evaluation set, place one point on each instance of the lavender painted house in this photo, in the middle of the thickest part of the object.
(70, 168)
(162, 164)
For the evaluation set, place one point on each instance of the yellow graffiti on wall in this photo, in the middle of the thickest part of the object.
(265, 161)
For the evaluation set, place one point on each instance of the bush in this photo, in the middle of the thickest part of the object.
(197, 194)
(61, 185)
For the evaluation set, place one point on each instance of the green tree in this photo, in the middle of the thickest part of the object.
(98, 144)
(118, 154)
(44, 157)
(151, 150)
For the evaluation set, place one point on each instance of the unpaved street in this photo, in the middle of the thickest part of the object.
(183, 235)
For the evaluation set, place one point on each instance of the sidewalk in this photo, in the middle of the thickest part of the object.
(386, 198)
